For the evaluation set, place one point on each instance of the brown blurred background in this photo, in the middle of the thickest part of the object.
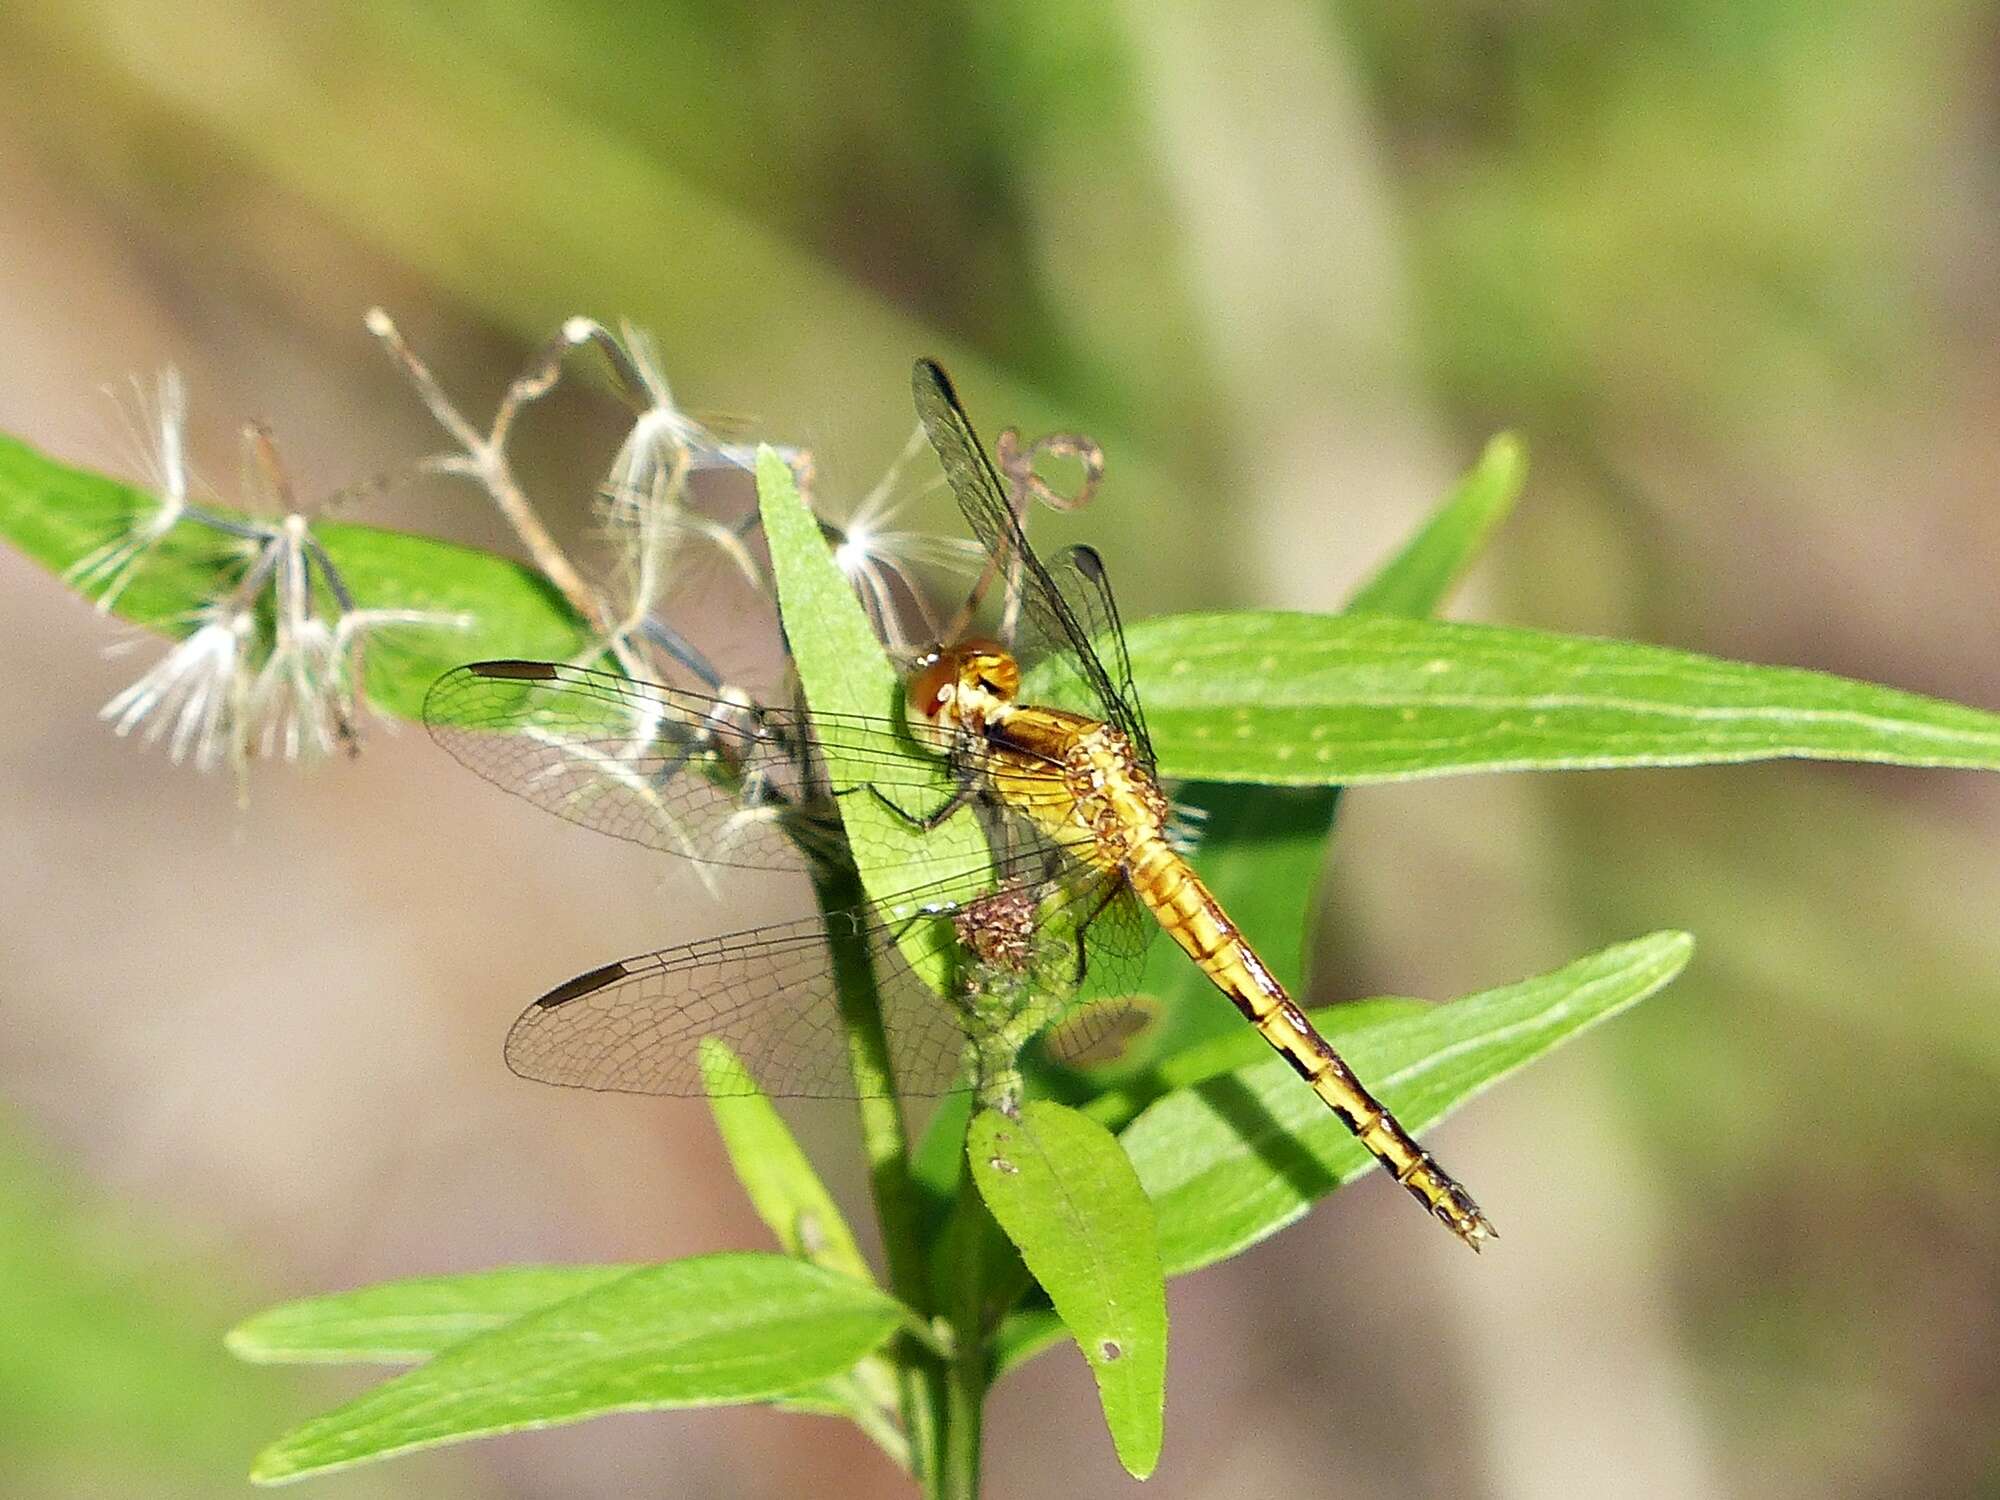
(1728, 267)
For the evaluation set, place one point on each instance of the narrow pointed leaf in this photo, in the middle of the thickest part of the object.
(1325, 699)
(844, 670)
(403, 1322)
(1301, 700)
(940, 1155)
(407, 1322)
(712, 1331)
(1416, 580)
(1234, 1159)
(781, 1182)
(1066, 1195)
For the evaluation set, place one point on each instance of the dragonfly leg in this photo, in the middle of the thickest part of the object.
(925, 822)
(1111, 890)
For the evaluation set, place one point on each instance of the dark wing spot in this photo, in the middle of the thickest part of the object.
(583, 984)
(515, 671)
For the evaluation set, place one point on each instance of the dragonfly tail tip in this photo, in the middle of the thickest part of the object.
(1477, 1231)
(1465, 1218)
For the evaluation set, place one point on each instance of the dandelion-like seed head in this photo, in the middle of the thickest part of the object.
(661, 446)
(298, 702)
(194, 694)
(647, 510)
(231, 688)
(160, 426)
(880, 559)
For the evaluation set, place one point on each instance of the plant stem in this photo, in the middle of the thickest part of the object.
(898, 1205)
(485, 457)
(964, 1395)
(966, 1376)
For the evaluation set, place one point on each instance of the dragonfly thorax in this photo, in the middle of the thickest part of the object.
(961, 688)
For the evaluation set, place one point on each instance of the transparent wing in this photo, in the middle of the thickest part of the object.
(769, 994)
(1049, 617)
(709, 778)
(1079, 577)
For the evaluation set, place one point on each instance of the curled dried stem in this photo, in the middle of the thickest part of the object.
(483, 458)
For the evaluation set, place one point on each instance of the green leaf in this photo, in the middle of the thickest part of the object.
(406, 1322)
(403, 1322)
(1416, 580)
(716, 1330)
(1234, 1159)
(781, 1182)
(1066, 1195)
(844, 671)
(1326, 699)
(1295, 699)
(939, 1158)
(58, 515)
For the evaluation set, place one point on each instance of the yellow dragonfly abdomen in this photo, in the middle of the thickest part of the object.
(1195, 920)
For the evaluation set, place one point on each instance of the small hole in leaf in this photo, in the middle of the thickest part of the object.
(1111, 1349)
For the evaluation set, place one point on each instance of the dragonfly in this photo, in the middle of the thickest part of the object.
(1083, 865)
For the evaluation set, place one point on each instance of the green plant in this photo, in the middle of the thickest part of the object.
(1005, 1236)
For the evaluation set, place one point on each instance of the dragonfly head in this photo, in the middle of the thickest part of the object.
(960, 687)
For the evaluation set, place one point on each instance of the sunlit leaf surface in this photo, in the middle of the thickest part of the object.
(1066, 1195)
(1239, 1156)
(712, 1331)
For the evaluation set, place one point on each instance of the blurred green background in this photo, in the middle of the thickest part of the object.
(1728, 267)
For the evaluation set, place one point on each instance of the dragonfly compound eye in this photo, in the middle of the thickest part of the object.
(933, 684)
